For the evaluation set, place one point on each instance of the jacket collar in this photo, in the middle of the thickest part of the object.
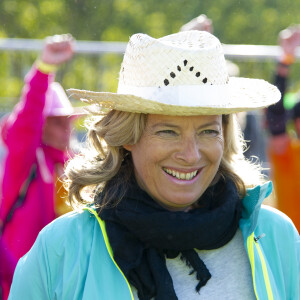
(252, 204)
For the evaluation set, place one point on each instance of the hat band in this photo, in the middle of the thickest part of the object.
(182, 95)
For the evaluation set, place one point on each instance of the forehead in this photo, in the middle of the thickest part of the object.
(182, 120)
(58, 119)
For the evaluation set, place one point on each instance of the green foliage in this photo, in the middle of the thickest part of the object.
(254, 22)
(235, 22)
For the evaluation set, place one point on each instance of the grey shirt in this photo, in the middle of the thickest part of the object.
(230, 269)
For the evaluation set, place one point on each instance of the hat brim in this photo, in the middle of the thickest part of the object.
(244, 94)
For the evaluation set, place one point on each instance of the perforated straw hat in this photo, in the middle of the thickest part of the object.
(180, 74)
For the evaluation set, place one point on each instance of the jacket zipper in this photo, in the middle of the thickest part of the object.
(251, 241)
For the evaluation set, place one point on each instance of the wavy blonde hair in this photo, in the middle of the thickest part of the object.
(106, 166)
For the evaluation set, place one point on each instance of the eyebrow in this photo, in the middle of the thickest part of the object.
(170, 125)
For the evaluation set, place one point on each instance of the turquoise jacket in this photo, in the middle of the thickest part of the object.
(72, 258)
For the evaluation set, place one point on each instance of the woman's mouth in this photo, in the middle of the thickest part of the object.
(181, 175)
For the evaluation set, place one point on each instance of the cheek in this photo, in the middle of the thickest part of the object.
(47, 133)
(141, 169)
(146, 158)
(215, 152)
(142, 158)
(55, 133)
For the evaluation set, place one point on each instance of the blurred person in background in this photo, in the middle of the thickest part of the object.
(283, 148)
(250, 121)
(37, 138)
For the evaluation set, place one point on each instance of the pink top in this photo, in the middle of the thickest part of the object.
(22, 134)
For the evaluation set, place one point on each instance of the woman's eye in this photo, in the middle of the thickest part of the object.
(166, 133)
(210, 132)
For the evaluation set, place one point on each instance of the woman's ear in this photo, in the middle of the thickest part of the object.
(128, 147)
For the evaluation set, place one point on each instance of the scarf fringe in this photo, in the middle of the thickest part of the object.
(192, 260)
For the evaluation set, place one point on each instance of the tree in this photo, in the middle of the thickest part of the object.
(235, 22)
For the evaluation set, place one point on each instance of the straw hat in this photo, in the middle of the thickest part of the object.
(179, 74)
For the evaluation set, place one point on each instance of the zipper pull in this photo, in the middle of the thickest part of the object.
(259, 237)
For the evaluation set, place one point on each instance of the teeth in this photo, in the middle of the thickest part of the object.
(179, 175)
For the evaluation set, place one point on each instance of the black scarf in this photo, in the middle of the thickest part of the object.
(142, 234)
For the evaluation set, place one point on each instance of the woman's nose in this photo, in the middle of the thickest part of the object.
(189, 151)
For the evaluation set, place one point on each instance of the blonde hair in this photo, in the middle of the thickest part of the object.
(106, 167)
(234, 164)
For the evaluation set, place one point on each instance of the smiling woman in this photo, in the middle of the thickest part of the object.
(183, 157)
(171, 207)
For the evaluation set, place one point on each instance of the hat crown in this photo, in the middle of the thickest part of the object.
(184, 58)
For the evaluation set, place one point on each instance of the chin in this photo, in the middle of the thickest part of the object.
(61, 148)
(179, 205)
(64, 146)
(188, 199)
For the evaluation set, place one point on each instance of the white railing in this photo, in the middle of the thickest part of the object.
(258, 52)
(86, 47)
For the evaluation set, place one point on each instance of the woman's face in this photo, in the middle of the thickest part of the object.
(177, 158)
(57, 131)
